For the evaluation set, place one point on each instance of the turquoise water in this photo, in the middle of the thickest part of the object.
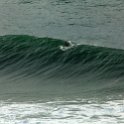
(44, 79)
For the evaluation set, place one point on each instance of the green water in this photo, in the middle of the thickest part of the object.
(46, 80)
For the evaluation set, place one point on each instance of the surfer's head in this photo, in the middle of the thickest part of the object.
(67, 43)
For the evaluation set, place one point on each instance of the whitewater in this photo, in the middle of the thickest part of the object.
(61, 62)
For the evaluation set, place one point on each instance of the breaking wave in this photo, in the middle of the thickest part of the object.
(85, 65)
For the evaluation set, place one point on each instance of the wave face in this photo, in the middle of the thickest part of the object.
(31, 56)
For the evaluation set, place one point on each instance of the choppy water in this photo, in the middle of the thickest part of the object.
(40, 83)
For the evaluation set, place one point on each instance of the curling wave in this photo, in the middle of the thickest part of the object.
(37, 54)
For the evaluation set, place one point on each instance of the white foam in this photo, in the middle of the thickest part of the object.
(62, 112)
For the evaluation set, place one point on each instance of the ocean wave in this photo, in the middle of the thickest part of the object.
(41, 55)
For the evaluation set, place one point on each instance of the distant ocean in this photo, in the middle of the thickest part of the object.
(61, 62)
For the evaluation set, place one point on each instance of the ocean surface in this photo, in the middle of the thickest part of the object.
(61, 62)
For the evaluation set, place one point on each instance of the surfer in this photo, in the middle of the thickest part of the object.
(68, 44)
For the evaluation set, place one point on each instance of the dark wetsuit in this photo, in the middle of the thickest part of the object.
(67, 44)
